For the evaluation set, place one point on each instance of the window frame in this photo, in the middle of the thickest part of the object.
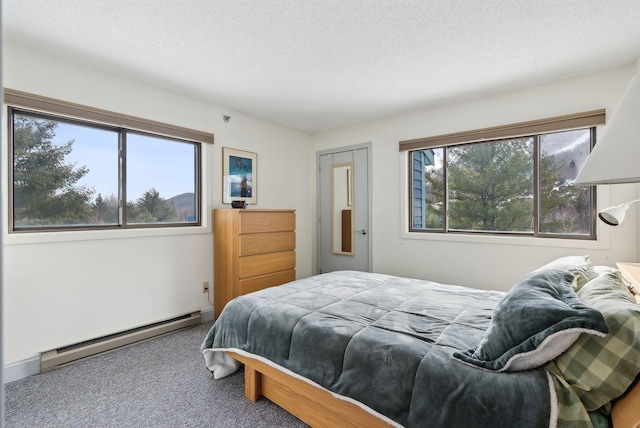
(15, 102)
(586, 120)
(123, 183)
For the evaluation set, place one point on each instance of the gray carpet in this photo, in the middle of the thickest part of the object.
(159, 383)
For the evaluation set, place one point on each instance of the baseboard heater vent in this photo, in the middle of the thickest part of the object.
(69, 354)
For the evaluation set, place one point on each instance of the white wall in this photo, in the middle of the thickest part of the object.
(71, 286)
(483, 262)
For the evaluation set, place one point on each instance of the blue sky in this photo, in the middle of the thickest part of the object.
(151, 162)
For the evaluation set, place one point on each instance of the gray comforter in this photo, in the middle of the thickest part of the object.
(385, 342)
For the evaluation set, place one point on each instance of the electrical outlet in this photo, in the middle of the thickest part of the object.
(205, 287)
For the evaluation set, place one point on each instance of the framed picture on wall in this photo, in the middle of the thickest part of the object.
(239, 176)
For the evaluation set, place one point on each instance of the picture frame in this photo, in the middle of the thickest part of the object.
(239, 176)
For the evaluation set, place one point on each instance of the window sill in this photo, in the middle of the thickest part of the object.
(96, 235)
(601, 243)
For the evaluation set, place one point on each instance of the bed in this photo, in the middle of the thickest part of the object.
(360, 349)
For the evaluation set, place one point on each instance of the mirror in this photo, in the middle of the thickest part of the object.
(342, 218)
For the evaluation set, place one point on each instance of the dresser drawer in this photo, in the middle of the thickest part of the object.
(283, 221)
(256, 283)
(255, 222)
(266, 263)
(260, 243)
(261, 221)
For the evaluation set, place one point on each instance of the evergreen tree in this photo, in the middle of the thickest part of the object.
(45, 189)
(491, 186)
(151, 208)
(105, 209)
(564, 207)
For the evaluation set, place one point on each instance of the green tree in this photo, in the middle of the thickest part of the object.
(105, 209)
(151, 208)
(45, 189)
(564, 208)
(491, 186)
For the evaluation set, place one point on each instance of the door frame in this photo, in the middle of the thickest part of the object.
(369, 148)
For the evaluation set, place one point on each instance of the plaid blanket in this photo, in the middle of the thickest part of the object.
(594, 371)
(571, 411)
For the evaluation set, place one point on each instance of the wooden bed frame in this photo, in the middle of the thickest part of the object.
(310, 404)
(319, 408)
(626, 410)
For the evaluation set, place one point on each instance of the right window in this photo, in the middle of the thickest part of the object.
(520, 186)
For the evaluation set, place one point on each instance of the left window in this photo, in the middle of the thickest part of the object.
(70, 174)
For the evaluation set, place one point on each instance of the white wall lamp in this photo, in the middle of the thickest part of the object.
(615, 157)
(613, 216)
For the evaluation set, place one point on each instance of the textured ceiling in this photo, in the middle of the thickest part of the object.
(315, 65)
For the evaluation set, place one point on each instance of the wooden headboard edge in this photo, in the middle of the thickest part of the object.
(625, 412)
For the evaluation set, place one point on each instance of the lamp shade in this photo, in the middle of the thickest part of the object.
(613, 216)
(616, 156)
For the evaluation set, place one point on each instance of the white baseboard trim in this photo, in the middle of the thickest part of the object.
(21, 369)
(31, 366)
(207, 315)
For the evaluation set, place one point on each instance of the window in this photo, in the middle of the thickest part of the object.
(519, 185)
(76, 174)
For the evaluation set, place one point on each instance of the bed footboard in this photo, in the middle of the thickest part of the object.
(312, 405)
(318, 408)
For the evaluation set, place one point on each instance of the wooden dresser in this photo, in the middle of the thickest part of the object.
(253, 249)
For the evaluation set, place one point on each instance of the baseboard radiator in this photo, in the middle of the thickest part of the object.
(55, 358)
